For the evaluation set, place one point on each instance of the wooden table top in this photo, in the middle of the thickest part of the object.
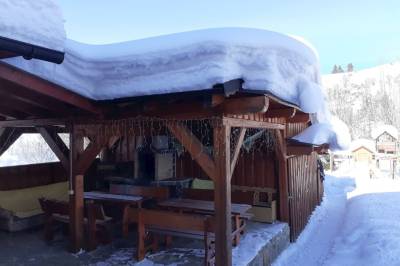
(201, 205)
(104, 196)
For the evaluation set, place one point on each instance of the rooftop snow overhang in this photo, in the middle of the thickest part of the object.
(12, 48)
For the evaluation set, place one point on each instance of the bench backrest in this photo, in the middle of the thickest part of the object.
(239, 197)
(173, 220)
(158, 193)
(51, 206)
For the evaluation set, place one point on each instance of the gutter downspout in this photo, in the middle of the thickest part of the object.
(30, 51)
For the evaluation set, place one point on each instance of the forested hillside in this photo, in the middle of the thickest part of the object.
(366, 98)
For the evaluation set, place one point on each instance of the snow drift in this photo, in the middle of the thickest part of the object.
(38, 22)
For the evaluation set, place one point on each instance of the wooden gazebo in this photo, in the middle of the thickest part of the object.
(31, 104)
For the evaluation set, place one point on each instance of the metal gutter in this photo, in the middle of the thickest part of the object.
(30, 51)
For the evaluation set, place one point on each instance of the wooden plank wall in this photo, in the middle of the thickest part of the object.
(304, 191)
(255, 169)
(24, 176)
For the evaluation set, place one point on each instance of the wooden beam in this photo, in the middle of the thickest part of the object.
(56, 145)
(222, 196)
(299, 150)
(46, 88)
(23, 107)
(76, 203)
(238, 122)
(33, 122)
(24, 95)
(283, 112)
(198, 108)
(194, 147)
(7, 112)
(7, 138)
(89, 155)
(243, 105)
(280, 153)
(238, 146)
(299, 118)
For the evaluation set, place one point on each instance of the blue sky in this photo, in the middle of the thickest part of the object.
(364, 32)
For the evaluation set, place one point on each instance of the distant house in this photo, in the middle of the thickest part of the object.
(363, 150)
(386, 139)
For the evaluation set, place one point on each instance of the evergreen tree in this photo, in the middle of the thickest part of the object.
(350, 67)
(340, 69)
(335, 69)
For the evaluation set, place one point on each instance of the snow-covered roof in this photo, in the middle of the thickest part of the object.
(366, 143)
(335, 133)
(38, 22)
(267, 62)
(391, 130)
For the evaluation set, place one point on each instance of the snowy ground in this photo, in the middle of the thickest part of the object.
(357, 223)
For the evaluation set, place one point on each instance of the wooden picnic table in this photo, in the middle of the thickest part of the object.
(105, 196)
(126, 201)
(239, 211)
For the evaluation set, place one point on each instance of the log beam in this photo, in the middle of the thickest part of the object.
(46, 88)
(76, 203)
(7, 138)
(243, 105)
(194, 147)
(283, 112)
(33, 122)
(222, 195)
(281, 154)
(238, 146)
(56, 145)
(238, 122)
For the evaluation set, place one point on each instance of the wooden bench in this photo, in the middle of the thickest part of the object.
(149, 193)
(152, 223)
(96, 222)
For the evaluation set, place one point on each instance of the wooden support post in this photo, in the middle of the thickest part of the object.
(281, 155)
(56, 145)
(7, 137)
(194, 147)
(238, 146)
(76, 203)
(222, 196)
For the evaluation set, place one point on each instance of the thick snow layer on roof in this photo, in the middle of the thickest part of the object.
(38, 22)
(266, 61)
(391, 130)
(366, 143)
(335, 133)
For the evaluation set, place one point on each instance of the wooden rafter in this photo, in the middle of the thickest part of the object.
(45, 88)
(242, 105)
(88, 155)
(299, 118)
(237, 149)
(19, 93)
(202, 108)
(56, 145)
(194, 147)
(238, 122)
(282, 112)
(33, 122)
(7, 138)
